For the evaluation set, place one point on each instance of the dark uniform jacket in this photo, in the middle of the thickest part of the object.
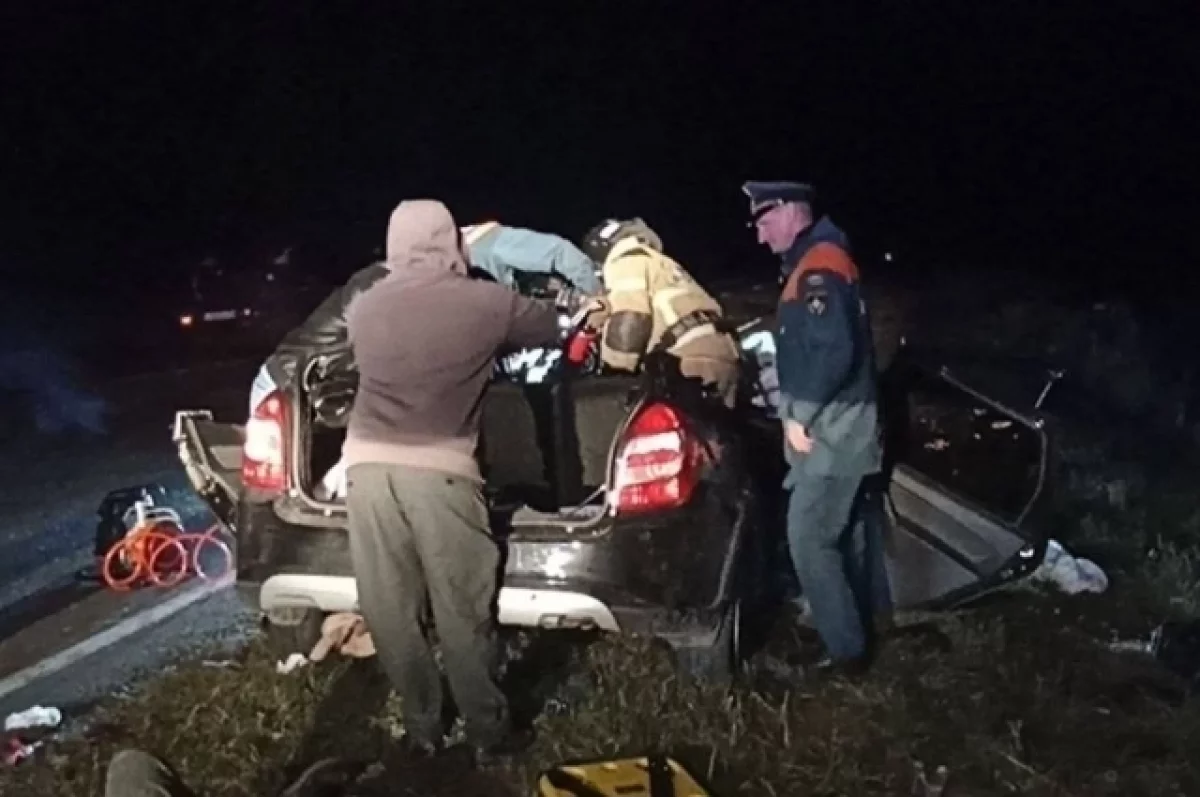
(826, 358)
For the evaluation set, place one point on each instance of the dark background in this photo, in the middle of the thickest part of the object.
(1059, 138)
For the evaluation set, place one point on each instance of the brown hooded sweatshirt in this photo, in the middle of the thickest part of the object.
(425, 338)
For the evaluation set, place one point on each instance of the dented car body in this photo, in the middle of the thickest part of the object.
(635, 505)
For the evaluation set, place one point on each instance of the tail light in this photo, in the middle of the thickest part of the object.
(658, 463)
(264, 455)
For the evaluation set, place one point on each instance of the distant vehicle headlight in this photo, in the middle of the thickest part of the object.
(186, 320)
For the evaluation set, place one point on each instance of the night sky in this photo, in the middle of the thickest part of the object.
(136, 136)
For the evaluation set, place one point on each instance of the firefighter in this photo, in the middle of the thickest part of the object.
(828, 408)
(653, 304)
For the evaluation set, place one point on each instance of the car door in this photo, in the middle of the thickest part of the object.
(967, 482)
(966, 477)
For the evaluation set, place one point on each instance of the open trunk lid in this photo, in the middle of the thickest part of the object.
(211, 454)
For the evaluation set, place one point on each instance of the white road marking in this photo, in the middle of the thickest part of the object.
(110, 636)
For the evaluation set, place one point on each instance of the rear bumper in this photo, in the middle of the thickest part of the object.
(635, 576)
(531, 608)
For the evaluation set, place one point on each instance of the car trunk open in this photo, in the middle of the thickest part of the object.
(544, 448)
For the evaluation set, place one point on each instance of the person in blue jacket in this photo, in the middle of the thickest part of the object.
(502, 251)
(828, 408)
(506, 254)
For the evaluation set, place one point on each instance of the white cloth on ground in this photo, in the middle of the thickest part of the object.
(1069, 574)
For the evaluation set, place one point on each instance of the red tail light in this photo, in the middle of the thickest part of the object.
(264, 455)
(658, 464)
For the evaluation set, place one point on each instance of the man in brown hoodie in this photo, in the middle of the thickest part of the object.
(425, 338)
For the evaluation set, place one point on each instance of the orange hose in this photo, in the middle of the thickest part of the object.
(142, 554)
(191, 563)
(172, 571)
(131, 558)
(209, 537)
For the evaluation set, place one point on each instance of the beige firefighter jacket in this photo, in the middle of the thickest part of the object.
(647, 292)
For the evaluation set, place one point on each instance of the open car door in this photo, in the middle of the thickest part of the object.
(211, 454)
(968, 476)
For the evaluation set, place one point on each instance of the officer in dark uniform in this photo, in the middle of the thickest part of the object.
(828, 408)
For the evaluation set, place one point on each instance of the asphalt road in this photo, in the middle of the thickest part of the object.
(50, 488)
(211, 629)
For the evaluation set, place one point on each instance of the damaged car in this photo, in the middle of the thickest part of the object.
(632, 504)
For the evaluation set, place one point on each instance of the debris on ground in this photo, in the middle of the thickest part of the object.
(292, 663)
(1175, 644)
(35, 717)
(1068, 573)
(15, 750)
(345, 633)
(341, 632)
(15, 747)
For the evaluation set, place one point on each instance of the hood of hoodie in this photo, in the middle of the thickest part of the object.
(823, 232)
(423, 235)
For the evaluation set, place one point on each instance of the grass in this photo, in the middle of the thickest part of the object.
(1012, 697)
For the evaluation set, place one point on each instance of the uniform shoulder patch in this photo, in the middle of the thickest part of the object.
(816, 302)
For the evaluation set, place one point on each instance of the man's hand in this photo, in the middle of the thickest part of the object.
(797, 437)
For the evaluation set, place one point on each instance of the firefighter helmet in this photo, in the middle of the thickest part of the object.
(600, 240)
